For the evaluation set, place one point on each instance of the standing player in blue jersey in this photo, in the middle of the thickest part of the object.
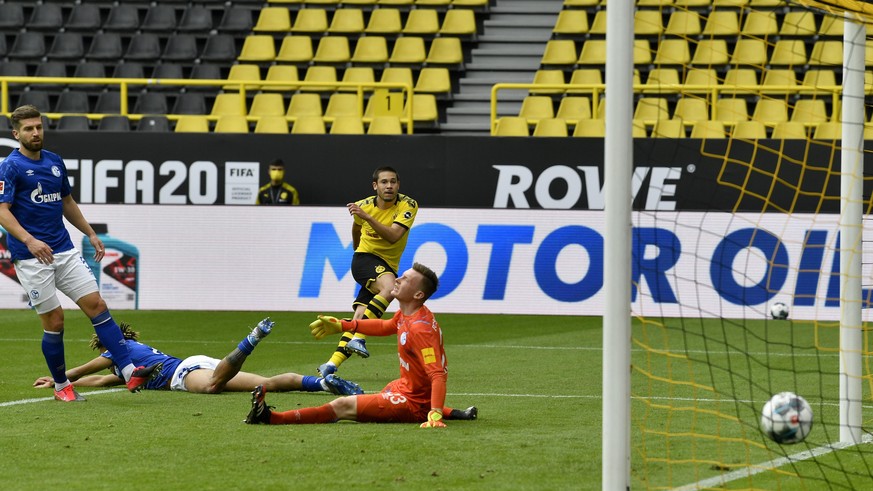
(34, 200)
(199, 374)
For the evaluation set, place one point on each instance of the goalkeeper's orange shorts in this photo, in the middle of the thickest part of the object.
(388, 407)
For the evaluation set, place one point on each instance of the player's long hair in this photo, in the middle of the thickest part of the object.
(126, 331)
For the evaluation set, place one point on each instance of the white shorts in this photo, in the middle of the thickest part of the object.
(68, 273)
(188, 365)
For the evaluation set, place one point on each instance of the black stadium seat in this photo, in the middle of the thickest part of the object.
(73, 123)
(220, 47)
(159, 18)
(114, 123)
(85, 17)
(122, 18)
(196, 19)
(105, 46)
(46, 17)
(28, 46)
(181, 47)
(153, 123)
(144, 47)
(73, 102)
(67, 46)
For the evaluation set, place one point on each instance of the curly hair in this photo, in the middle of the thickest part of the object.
(126, 331)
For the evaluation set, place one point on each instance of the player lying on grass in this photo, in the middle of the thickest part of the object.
(418, 395)
(200, 374)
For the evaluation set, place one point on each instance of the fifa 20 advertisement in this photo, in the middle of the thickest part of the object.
(541, 262)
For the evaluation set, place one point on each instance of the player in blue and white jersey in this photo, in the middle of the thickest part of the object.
(199, 374)
(34, 200)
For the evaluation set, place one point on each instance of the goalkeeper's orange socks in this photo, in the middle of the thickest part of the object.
(308, 415)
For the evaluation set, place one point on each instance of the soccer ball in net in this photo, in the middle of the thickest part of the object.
(779, 311)
(786, 418)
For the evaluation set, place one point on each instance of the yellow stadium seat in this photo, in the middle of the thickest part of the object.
(642, 52)
(295, 49)
(818, 78)
(244, 71)
(304, 105)
(828, 131)
(749, 130)
(548, 77)
(459, 22)
(384, 21)
(551, 128)
(321, 2)
(309, 125)
(731, 110)
(371, 50)
(683, 23)
(704, 77)
(809, 111)
(749, 51)
(434, 80)
(272, 124)
(651, 109)
(740, 77)
(310, 21)
(831, 26)
(363, 74)
(598, 24)
(760, 23)
(767, 3)
(777, 77)
(347, 125)
(655, 3)
(512, 126)
(332, 49)
(560, 52)
(424, 108)
(267, 104)
(660, 79)
(445, 51)
(708, 130)
(722, 23)
(691, 109)
(571, 23)
(668, 128)
(394, 2)
(590, 128)
(385, 125)
(318, 73)
(231, 124)
(408, 51)
(258, 48)
(192, 124)
(785, 130)
(273, 19)
(536, 107)
(798, 23)
(648, 23)
(729, 3)
(692, 4)
(672, 52)
(476, 4)
(422, 22)
(585, 76)
(789, 52)
(710, 52)
(868, 131)
(347, 21)
(281, 73)
(770, 111)
(827, 53)
(573, 109)
(229, 103)
(593, 52)
(433, 3)
(398, 75)
(579, 3)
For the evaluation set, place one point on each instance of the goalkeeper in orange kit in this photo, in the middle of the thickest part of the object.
(418, 396)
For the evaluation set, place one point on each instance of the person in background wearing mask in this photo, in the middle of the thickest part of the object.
(277, 191)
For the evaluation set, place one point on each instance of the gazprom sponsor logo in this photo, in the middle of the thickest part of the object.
(37, 195)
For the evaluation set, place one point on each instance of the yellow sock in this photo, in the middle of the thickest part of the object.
(339, 356)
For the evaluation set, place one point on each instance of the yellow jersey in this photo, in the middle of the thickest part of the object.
(403, 212)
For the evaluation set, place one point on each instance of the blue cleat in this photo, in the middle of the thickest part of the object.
(263, 328)
(358, 346)
(326, 369)
(342, 387)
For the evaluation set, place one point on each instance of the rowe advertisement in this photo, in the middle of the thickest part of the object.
(708, 264)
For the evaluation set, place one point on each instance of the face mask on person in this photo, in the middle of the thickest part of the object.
(277, 175)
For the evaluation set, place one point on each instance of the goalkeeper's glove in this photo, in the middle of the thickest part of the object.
(325, 325)
(434, 420)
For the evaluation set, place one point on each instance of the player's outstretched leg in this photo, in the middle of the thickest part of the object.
(468, 414)
(260, 412)
(327, 368)
(358, 346)
(342, 387)
(142, 375)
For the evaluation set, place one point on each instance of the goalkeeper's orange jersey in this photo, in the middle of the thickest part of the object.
(403, 212)
(423, 367)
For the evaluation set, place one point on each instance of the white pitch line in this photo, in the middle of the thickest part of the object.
(771, 465)
(42, 399)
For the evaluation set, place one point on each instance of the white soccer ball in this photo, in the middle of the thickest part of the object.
(779, 311)
(786, 418)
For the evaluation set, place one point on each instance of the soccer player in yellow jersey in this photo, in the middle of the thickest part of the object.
(379, 233)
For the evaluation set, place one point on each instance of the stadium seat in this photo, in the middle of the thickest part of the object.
(282, 73)
(258, 48)
(347, 125)
(598, 25)
(16, 69)
(710, 52)
(433, 3)
(323, 74)
(228, 104)
(722, 23)
(548, 77)
(593, 52)
(244, 71)
(204, 71)
(447, 52)
(309, 125)
(650, 109)
(798, 23)
(36, 97)
(165, 71)
(105, 46)
(108, 103)
(12, 17)
(267, 104)
(340, 105)
(672, 52)
(153, 124)
(130, 69)
(114, 123)
(647, 23)
(785, 130)
(571, 23)
(560, 52)
(46, 17)
(231, 123)
(67, 46)
(84, 17)
(512, 126)
(779, 77)
(692, 4)
(398, 3)
(691, 109)
(660, 80)
(273, 19)
(731, 110)
(332, 49)
(703, 77)
(385, 125)
(749, 51)
(181, 47)
(347, 21)
(384, 22)
(27, 46)
(642, 52)
(366, 3)
(52, 69)
(770, 111)
(400, 75)
(73, 123)
(760, 23)
(219, 48)
(708, 130)
(236, 20)
(295, 49)
(196, 19)
(749, 130)
(73, 102)
(304, 105)
(827, 53)
(144, 47)
(192, 103)
(668, 128)
(585, 76)
(535, 108)
(683, 23)
(789, 52)
(421, 22)
(272, 124)
(370, 50)
(434, 80)
(474, 4)
(408, 51)
(740, 77)
(573, 109)
(364, 75)
(122, 18)
(831, 27)
(159, 18)
(809, 111)
(310, 21)
(828, 131)
(424, 109)
(151, 103)
(459, 23)
(551, 128)
(590, 128)
(818, 78)
(192, 124)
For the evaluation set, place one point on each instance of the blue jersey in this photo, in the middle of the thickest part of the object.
(36, 189)
(143, 355)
